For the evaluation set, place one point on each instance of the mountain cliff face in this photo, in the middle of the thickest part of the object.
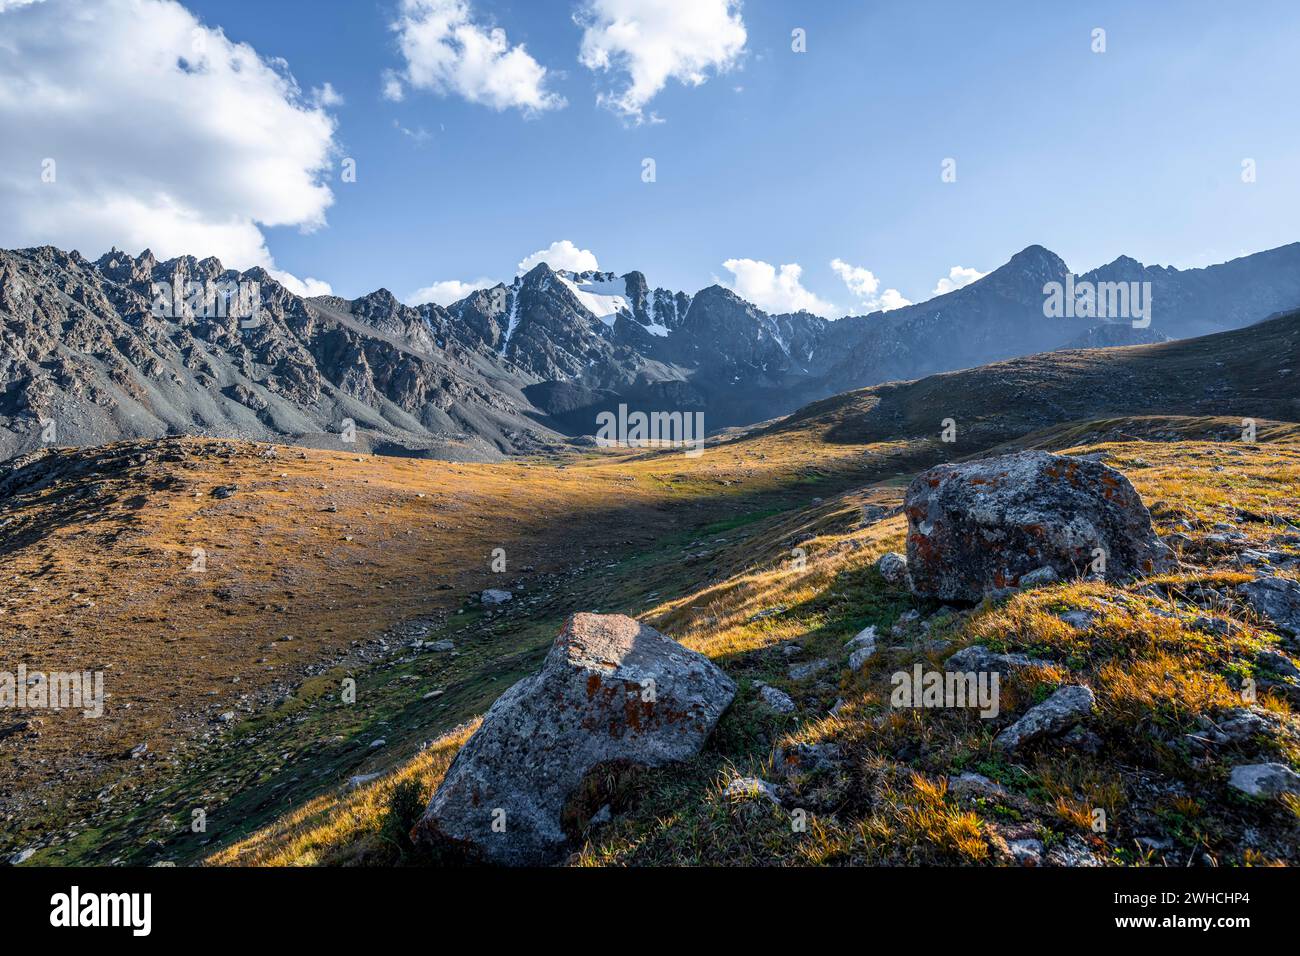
(89, 353)
(92, 348)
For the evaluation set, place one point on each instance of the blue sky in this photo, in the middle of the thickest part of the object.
(805, 158)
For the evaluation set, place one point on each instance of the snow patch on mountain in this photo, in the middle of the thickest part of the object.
(512, 322)
(651, 326)
(602, 296)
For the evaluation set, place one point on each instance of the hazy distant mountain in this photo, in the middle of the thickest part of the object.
(517, 367)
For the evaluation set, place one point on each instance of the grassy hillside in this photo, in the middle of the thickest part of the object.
(1247, 373)
(1160, 663)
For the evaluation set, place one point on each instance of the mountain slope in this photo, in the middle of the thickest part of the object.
(1247, 373)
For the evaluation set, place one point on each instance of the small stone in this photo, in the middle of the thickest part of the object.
(859, 658)
(1074, 852)
(1039, 577)
(893, 568)
(745, 788)
(1026, 852)
(800, 759)
(1214, 626)
(1275, 599)
(1079, 620)
(1264, 780)
(975, 783)
(978, 659)
(1061, 711)
(777, 700)
(1085, 741)
(808, 669)
(863, 648)
(1278, 662)
(1155, 843)
(495, 596)
(22, 856)
(905, 620)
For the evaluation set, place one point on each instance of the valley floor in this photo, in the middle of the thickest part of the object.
(321, 566)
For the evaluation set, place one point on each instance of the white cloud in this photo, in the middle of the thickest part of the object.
(162, 133)
(392, 89)
(864, 284)
(891, 299)
(653, 41)
(447, 291)
(861, 282)
(562, 255)
(957, 277)
(447, 53)
(301, 287)
(325, 95)
(773, 290)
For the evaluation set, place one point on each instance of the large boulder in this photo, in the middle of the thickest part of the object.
(611, 693)
(979, 527)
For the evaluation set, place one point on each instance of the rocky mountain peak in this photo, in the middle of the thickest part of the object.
(1035, 261)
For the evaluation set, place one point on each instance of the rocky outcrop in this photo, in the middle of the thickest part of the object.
(980, 527)
(611, 693)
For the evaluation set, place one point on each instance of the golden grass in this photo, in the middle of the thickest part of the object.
(919, 814)
(1160, 687)
(341, 829)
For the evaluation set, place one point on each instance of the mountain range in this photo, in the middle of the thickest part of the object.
(520, 368)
